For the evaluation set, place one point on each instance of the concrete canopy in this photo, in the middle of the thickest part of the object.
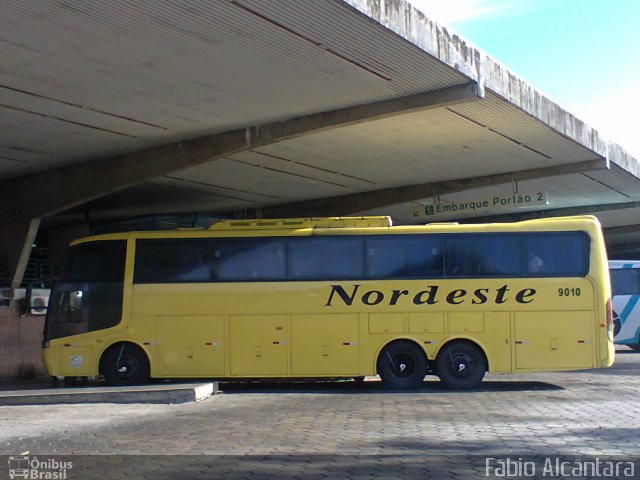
(113, 109)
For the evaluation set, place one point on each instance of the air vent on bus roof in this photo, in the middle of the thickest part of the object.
(328, 222)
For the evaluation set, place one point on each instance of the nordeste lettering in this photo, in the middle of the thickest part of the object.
(430, 295)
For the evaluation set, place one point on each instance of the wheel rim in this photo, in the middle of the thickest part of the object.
(128, 368)
(403, 365)
(461, 365)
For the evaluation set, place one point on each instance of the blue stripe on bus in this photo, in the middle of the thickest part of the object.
(628, 308)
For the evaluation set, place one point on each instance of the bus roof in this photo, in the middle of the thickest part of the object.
(350, 226)
(289, 223)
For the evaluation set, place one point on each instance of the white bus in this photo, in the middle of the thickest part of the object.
(625, 285)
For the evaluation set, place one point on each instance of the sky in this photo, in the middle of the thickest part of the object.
(582, 54)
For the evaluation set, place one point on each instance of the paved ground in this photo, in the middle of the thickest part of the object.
(299, 425)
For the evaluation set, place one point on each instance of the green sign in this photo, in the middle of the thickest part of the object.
(484, 205)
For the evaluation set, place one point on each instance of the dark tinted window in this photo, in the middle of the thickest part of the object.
(95, 261)
(625, 281)
(344, 257)
(316, 258)
(173, 260)
(483, 255)
(250, 259)
(205, 260)
(557, 254)
(404, 256)
(88, 295)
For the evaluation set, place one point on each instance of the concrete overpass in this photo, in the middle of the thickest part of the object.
(251, 108)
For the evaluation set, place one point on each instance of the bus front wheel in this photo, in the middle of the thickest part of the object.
(461, 365)
(125, 364)
(402, 365)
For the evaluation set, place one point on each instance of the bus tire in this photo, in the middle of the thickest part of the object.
(461, 365)
(125, 364)
(402, 365)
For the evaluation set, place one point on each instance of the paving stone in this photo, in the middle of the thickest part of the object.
(337, 429)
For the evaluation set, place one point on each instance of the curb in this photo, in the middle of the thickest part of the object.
(168, 394)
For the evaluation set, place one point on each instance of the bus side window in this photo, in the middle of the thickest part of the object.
(483, 255)
(326, 258)
(215, 262)
(534, 263)
(461, 259)
(565, 253)
(399, 256)
(625, 281)
(250, 259)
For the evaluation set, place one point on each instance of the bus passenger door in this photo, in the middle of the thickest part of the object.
(190, 346)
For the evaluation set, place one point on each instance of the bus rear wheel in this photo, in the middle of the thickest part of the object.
(461, 365)
(125, 364)
(402, 365)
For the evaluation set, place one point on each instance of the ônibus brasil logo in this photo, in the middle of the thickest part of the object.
(38, 469)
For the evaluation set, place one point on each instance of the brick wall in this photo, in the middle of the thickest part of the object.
(20, 343)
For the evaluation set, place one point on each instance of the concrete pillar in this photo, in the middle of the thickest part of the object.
(18, 239)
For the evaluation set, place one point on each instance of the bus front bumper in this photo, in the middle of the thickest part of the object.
(67, 360)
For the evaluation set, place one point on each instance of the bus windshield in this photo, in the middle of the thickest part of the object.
(88, 294)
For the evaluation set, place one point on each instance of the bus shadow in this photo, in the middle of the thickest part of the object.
(376, 387)
(315, 386)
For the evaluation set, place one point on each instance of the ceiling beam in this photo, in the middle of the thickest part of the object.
(361, 202)
(552, 212)
(629, 250)
(622, 230)
(44, 194)
(617, 247)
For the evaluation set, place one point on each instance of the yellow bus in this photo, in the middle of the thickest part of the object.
(333, 298)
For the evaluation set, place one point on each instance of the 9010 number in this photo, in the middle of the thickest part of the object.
(569, 292)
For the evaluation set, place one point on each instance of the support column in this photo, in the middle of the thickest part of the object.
(18, 239)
